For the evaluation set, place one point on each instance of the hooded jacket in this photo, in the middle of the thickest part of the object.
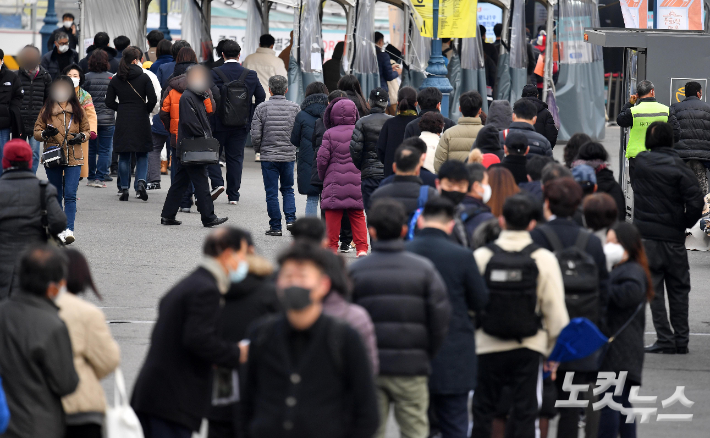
(272, 126)
(667, 197)
(195, 111)
(50, 61)
(693, 115)
(318, 132)
(302, 137)
(341, 179)
(455, 142)
(96, 85)
(363, 145)
(331, 70)
(112, 60)
(66, 123)
(500, 115)
(488, 141)
(545, 123)
(170, 107)
(35, 87)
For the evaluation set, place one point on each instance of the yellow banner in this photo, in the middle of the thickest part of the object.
(457, 18)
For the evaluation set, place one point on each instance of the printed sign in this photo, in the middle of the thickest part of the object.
(457, 18)
(679, 14)
(635, 13)
(678, 88)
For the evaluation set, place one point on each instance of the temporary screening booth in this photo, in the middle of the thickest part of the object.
(668, 58)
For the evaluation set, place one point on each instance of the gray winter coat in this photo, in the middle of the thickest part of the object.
(271, 129)
(97, 85)
(37, 366)
(21, 222)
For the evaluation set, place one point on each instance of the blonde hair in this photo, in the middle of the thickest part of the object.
(476, 156)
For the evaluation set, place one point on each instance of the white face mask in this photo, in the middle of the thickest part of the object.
(63, 48)
(614, 253)
(75, 81)
(487, 192)
(67, 23)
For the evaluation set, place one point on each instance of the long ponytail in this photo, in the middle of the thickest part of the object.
(406, 99)
(129, 55)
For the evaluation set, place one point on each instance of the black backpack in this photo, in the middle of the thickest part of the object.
(235, 101)
(579, 275)
(511, 312)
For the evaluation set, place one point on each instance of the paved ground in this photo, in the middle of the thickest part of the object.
(135, 261)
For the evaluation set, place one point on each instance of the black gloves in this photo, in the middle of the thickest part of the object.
(75, 139)
(50, 131)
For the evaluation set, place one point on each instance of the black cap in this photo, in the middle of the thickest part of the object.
(379, 95)
(530, 91)
(517, 142)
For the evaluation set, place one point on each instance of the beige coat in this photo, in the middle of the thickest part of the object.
(60, 119)
(550, 294)
(96, 353)
(457, 141)
(266, 64)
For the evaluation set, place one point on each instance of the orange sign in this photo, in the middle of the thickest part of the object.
(679, 14)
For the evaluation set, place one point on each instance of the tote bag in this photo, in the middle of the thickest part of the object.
(121, 421)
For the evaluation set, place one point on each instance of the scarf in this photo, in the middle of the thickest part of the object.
(407, 113)
(217, 272)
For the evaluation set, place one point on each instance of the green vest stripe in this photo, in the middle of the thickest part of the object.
(644, 114)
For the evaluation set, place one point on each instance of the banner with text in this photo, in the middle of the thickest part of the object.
(457, 18)
(679, 14)
(635, 13)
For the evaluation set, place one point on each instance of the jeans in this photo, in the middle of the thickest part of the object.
(100, 153)
(521, 369)
(182, 178)
(410, 396)
(668, 263)
(452, 413)
(312, 202)
(274, 173)
(36, 151)
(4, 138)
(124, 169)
(154, 157)
(66, 180)
(154, 427)
(233, 142)
(357, 221)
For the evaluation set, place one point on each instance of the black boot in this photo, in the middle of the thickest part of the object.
(124, 195)
(141, 192)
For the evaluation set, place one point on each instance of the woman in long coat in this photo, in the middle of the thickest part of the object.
(136, 99)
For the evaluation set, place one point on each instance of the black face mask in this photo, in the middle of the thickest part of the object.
(455, 197)
(296, 298)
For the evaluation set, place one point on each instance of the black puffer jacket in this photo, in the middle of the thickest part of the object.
(36, 91)
(404, 189)
(693, 115)
(302, 137)
(667, 197)
(607, 184)
(318, 131)
(50, 61)
(11, 101)
(363, 146)
(112, 60)
(97, 84)
(627, 289)
(545, 123)
(407, 300)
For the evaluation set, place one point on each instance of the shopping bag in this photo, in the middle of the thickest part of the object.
(120, 420)
(540, 65)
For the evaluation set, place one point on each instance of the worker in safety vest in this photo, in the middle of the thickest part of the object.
(642, 110)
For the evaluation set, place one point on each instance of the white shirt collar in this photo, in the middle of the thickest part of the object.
(231, 60)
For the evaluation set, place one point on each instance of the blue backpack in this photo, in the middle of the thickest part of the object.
(4, 411)
(421, 202)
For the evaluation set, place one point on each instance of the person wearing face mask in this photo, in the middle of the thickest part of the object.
(173, 390)
(68, 27)
(96, 353)
(194, 106)
(35, 81)
(308, 374)
(453, 184)
(63, 124)
(630, 288)
(60, 56)
(473, 210)
(87, 104)
(35, 349)
(448, 385)
(136, 99)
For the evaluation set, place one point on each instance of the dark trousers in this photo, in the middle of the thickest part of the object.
(632, 167)
(225, 421)
(83, 431)
(368, 186)
(520, 369)
(613, 423)
(186, 199)
(451, 411)
(183, 176)
(154, 427)
(568, 425)
(232, 143)
(668, 263)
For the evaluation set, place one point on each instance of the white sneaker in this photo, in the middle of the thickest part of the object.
(233, 202)
(257, 157)
(67, 236)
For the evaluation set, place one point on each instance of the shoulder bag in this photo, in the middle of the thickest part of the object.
(120, 420)
(199, 151)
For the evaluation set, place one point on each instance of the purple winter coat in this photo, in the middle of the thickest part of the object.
(341, 179)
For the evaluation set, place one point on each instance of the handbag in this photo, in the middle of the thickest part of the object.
(605, 348)
(54, 157)
(198, 151)
(49, 237)
(120, 420)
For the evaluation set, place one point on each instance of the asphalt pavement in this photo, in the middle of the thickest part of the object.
(135, 261)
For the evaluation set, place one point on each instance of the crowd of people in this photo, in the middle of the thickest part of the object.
(475, 249)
